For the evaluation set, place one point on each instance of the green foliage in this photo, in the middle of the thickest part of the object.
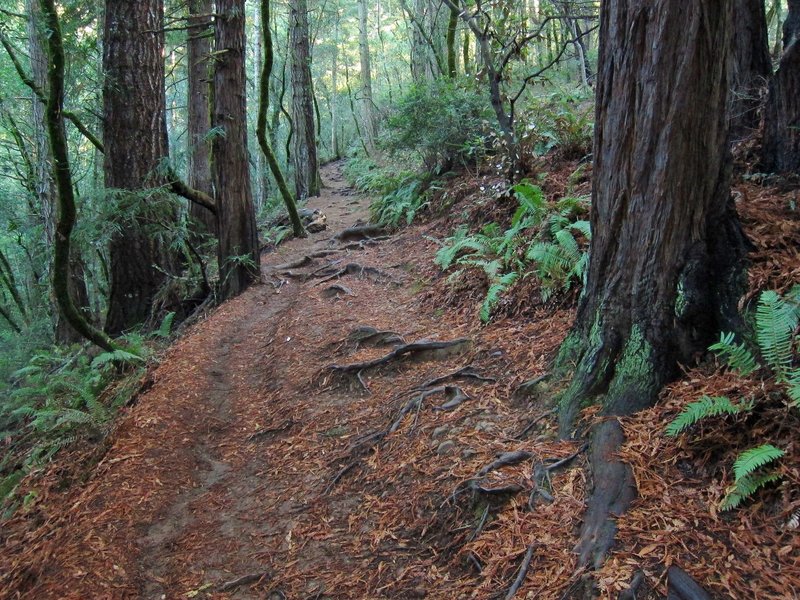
(166, 325)
(699, 410)
(560, 122)
(775, 325)
(60, 397)
(443, 122)
(748, 478)
(401, 204)
(540, 235)
(737, 355)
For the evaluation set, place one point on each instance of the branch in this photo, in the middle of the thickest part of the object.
(177, 186)
(39, 93)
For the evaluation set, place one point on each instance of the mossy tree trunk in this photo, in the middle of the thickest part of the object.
(781, 148)
(667, 251)
(261, 126)
(239, 257)
(66, 214)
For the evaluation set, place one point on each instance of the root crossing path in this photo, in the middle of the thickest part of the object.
(218, 482)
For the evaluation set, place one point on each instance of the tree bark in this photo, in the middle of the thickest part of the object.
(452, 26)
(239, 259)
(135, 140)
(367, 102)
(261, 127)
(199, 109)
(306, 165)
(667, 252)
(66, 218)
(781, 147)
(751, 67)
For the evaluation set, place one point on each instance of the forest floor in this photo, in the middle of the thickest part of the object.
(274, 456)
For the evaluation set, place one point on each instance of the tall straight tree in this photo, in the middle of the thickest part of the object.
(135, 140)
(304, 157)
(667, 252)
(236, 221)
(781, 149)
(198, 44)
(367, 101)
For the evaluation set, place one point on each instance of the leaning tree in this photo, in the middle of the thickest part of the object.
(667, 252)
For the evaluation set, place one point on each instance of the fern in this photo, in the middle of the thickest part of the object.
(738, 356)
(702, 409)
(755, 458)
(747, 479)
(776, 320)
(166, 325)
(496, 290)
(746, 487)
(117, 356)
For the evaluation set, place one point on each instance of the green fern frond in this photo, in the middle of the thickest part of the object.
(776, 321)
(738, 356)
(755, 458)
(583, 227)
(493, 295)
(746, 487)
(701, 409)
(793, 387)
(166, 325)
(569, 246)
(117, 356)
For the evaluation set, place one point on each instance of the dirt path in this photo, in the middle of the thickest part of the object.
(252, 470)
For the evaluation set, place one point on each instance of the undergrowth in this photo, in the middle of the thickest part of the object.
(773, 356)
(545, 240)
(63, 396)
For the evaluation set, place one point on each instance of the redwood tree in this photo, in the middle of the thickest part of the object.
(666, 266)
(135, 140)
(781, 151)
(236, 223)
(751, 66)
(198, 45)
(306, 165)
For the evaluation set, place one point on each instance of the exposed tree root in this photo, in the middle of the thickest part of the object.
(423, 349)
(244, 580)
(533, 423)
(681, 586)
(285, 426)
(523, 572)
(371, 337)
(336, 291)
(614, 489)
(454, 396)
(360, 232)
(357, 270)
(295, 264)
(467, 372)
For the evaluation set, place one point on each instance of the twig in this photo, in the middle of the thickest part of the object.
(531, 425)
(523, 571)
(245, 580)
(288, 424)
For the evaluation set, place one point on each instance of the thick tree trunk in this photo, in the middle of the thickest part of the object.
(751, 67)
(135, 136)
(452, 26)
(306, 165)
(43, 179)
(781, 149)
(239, 257)
(666, 267)
(199, 109)
(367, 102)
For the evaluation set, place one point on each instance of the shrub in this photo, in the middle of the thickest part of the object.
(444, 122)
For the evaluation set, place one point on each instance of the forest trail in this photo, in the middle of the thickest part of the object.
(228, 475)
